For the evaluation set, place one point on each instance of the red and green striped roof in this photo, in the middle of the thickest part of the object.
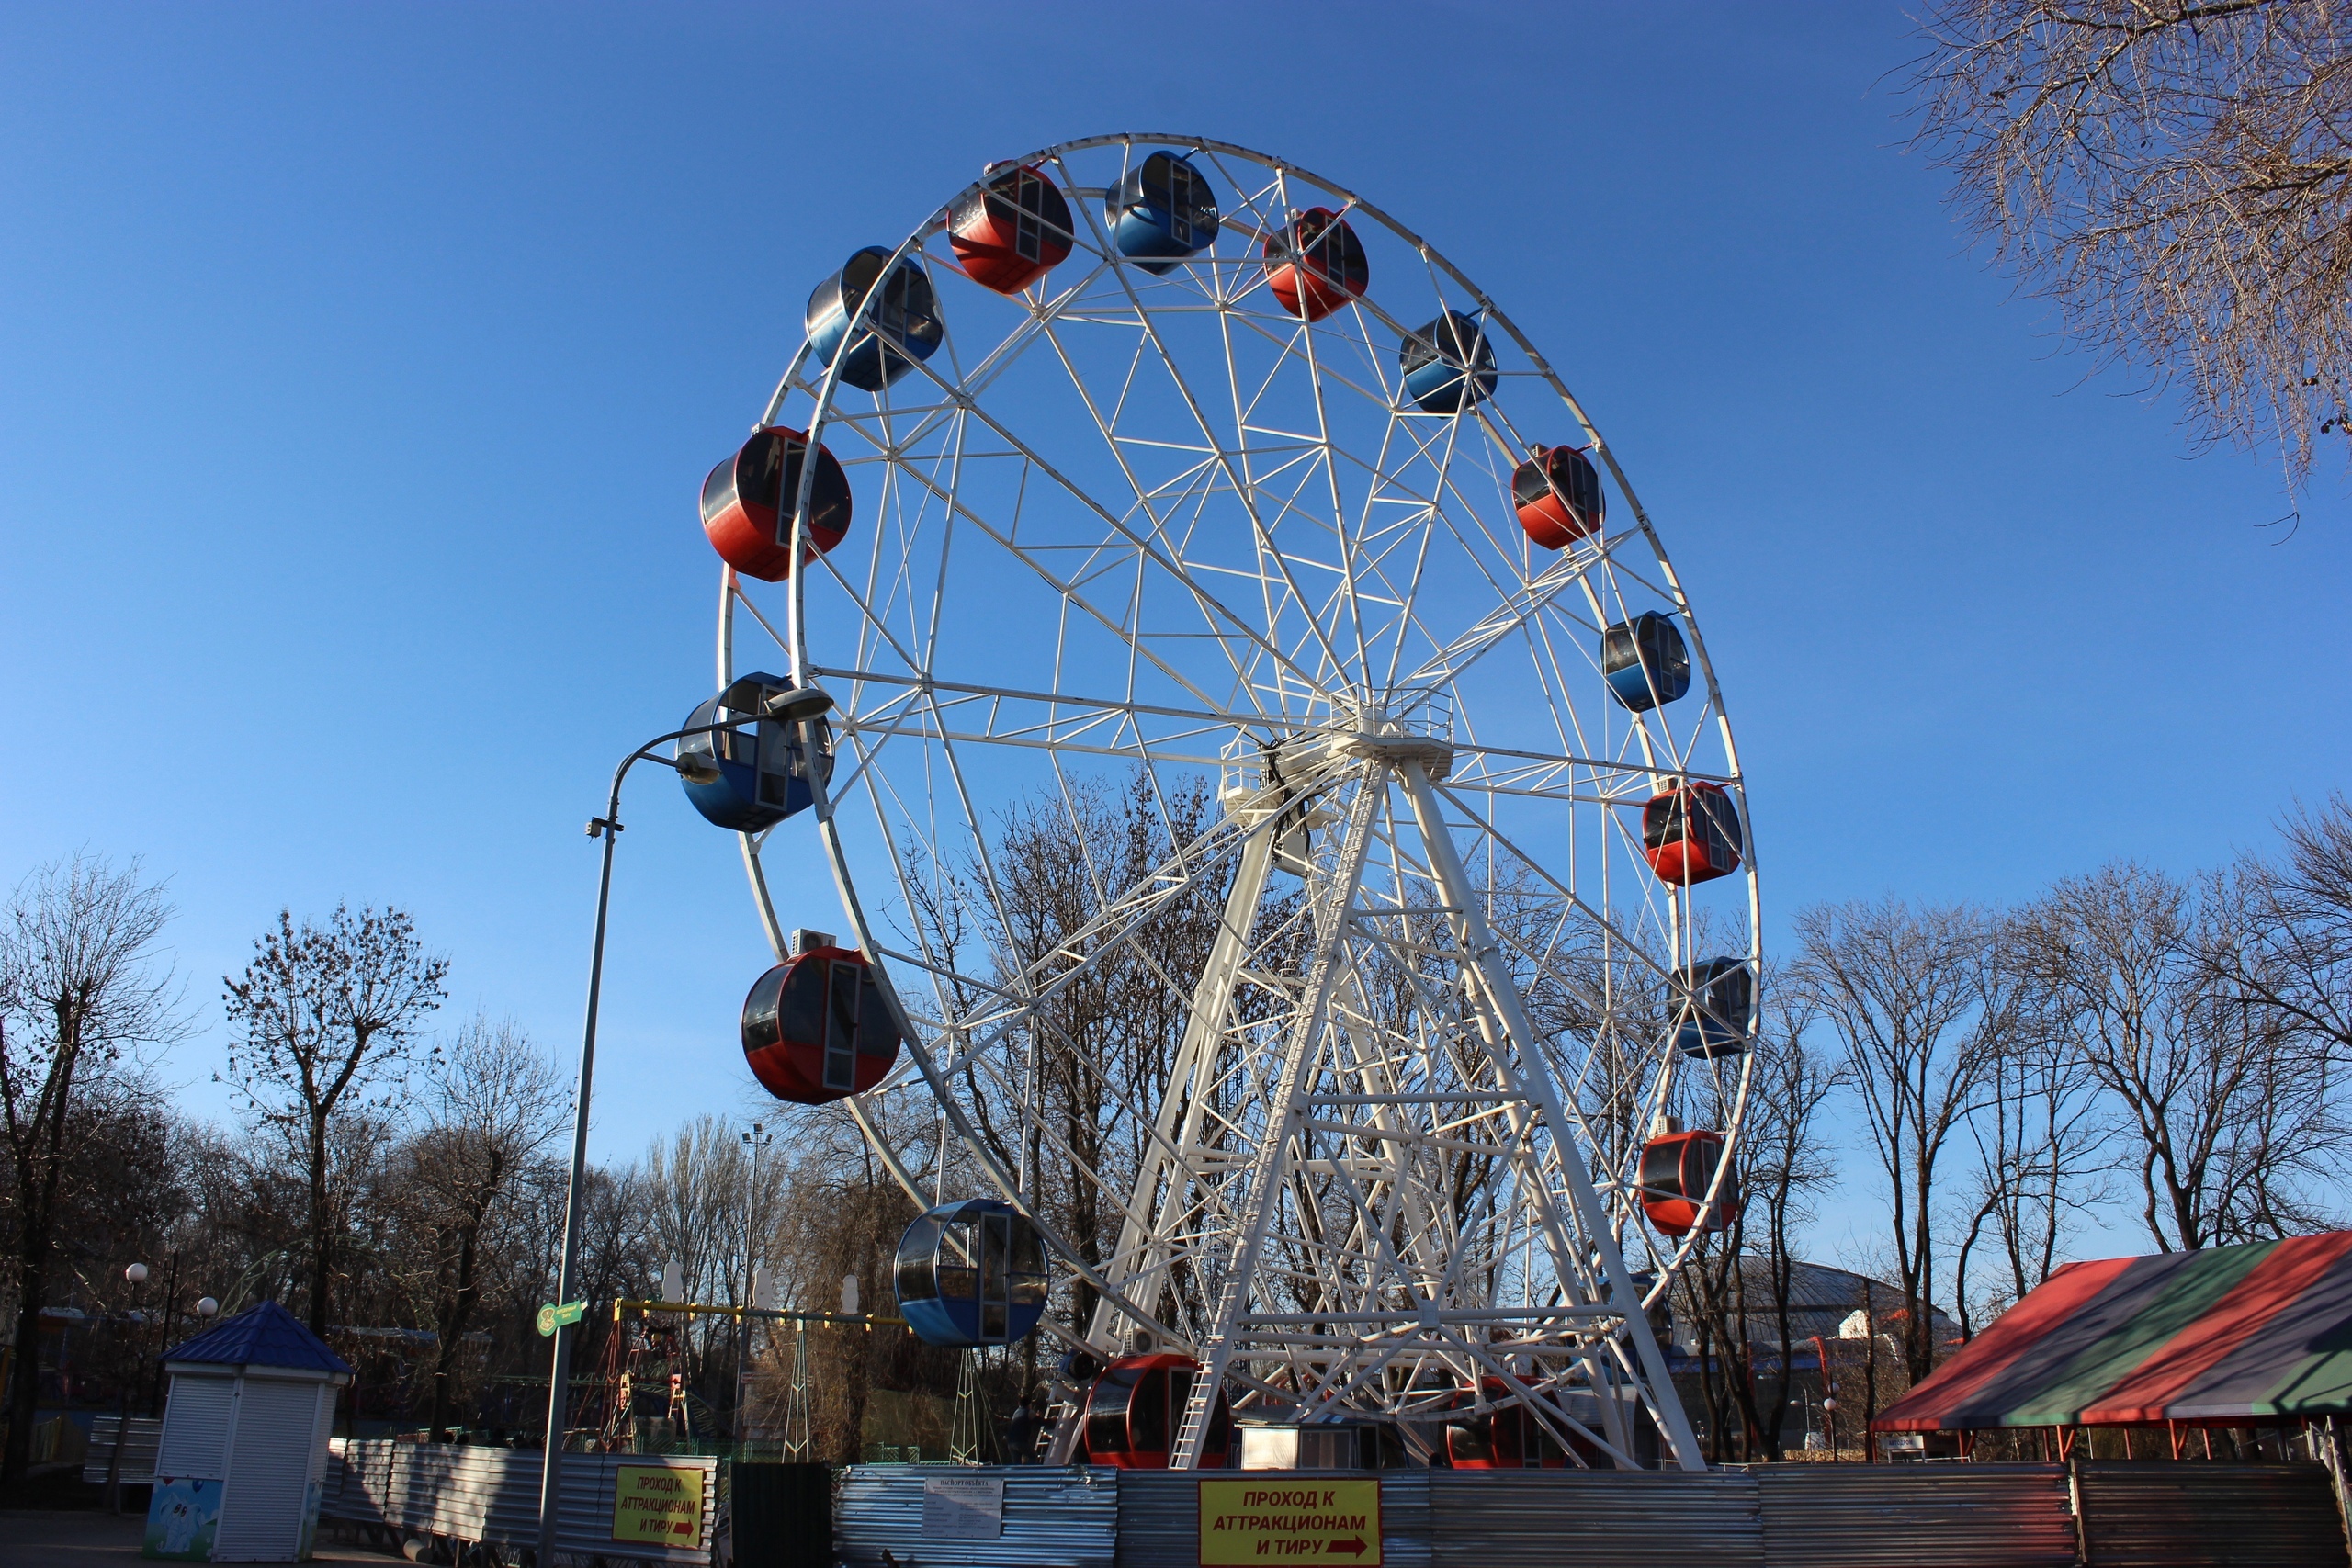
(2243, 1333)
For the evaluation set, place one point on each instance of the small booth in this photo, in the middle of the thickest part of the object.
(1320, 1445)
(1135, 1407)
(1645, 662)
(1557, 492)
(816, 1028)
(1448, 364)
(749, 779)
(746, 502)
(972, 1273)
(1011, 230)
(1318, 266)
(901, 329)
(1162, 213)
(243, 1452)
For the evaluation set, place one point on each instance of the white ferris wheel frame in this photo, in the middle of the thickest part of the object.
(1381, 778)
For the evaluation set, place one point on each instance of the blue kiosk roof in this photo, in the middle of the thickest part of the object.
(262, 1336)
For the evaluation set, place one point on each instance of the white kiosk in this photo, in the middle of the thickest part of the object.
(244, 1445)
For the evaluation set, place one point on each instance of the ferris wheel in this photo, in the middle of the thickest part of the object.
(1286, 827)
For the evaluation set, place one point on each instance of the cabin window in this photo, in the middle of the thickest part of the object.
(841, 1023)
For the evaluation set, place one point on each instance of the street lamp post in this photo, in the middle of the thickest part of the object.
(798, 704)
(753, 1141)
(164, 1329)
(136, 1275)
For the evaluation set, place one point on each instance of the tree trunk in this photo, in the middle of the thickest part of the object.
(321, 1225)
(460, 1314)
(24, 1378)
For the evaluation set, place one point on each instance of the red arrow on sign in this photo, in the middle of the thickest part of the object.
(1353, 1547)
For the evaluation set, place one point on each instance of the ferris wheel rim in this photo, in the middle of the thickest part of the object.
(825, 416)
(1437, 258)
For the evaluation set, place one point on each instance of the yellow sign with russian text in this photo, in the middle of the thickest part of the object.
(657, 1503)
(1249, 1524)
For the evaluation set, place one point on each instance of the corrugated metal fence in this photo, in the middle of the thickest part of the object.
(138, 1449)
(1884, 1516)
(1052, 1519)
(1624, 1520)
(2154, 1514)
(1789, 1515)
(493, 1495)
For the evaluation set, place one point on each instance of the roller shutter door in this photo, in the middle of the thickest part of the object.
(269, 1473)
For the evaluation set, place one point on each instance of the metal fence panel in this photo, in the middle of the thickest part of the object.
(1596, 1518)
(138, 1449)
(493, 1495)
(1917, 1516)
(1159, 1513)
(1054, 1517)
(2190, 1514)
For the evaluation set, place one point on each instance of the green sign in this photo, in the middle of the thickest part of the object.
(554, 1317)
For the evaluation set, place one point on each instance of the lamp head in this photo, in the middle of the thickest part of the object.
(206, 1306)
(136, 1273)
(796, 703)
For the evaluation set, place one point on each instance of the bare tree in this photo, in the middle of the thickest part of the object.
(2175, 177)
(80, 989)
(2229, 1117)
(1057, 861)
(326, 1017)
(1784, 1164)
(1923, 1008)
(2286, 941)
(497, 1106)
(839, 1214)
(1737, 1287)
(2041, 1149)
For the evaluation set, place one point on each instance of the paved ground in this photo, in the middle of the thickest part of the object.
(86, 1538)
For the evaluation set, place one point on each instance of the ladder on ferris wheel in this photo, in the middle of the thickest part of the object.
(1062, 1412)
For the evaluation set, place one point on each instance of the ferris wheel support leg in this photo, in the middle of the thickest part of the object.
(1494, 978)
(1165, 1170)
(1272, 1172)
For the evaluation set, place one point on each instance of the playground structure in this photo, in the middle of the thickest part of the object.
(643, 1401)
(1130, 471)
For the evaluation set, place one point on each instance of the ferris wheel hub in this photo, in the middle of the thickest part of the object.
(1434, 757)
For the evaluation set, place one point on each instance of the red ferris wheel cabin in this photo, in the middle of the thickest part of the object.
(746, 498)
(1011, 230)
(1677, 1171)
(1690, 834)
(1330, 269)
(816, 1028)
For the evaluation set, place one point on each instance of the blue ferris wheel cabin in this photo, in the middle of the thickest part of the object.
(972, 1273)
(752, 778)
(1163, 213)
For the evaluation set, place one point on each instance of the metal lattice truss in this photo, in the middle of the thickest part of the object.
(1229, 791)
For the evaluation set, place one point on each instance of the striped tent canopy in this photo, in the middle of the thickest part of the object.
(2234, 1335)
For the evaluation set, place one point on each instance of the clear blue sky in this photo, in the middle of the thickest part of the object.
(358, 367)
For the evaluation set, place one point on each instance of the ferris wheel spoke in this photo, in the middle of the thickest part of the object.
(1068, 590)
(1244, 492)
(1219, 613)
(1301, 341)
(1521, 605)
